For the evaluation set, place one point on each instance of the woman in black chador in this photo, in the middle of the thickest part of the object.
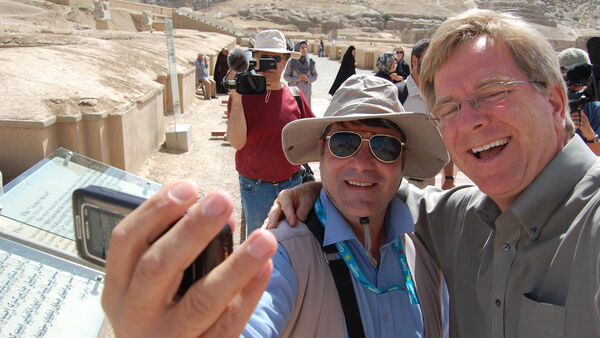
(347, 69)
(221, 69)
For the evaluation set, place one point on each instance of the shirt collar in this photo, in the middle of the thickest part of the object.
(413, 89)
(398, 221)
(550, 188)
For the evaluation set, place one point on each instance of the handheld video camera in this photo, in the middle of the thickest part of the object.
(97, 210)
(580, 75)
(247, 81)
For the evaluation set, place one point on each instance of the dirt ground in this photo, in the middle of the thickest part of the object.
(54, 63)
(210, 161)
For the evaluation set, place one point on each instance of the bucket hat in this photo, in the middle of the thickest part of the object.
(363, 97)
(572, 56)
(273, 41)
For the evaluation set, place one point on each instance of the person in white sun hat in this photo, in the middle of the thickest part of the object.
(254, 130)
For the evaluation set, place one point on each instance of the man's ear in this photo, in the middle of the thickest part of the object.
(558, 100)
(414, 61)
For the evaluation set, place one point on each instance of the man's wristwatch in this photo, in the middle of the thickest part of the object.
(449, 177)
(596, 139)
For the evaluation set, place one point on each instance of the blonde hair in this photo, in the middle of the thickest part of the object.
(530, 50)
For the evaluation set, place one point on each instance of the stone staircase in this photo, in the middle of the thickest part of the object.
(189, 20)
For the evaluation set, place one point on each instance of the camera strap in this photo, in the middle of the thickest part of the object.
(296, 92)
(342, 278)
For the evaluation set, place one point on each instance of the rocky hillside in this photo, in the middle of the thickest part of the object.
(405, 19)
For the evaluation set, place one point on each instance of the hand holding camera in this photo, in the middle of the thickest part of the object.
(145, 264)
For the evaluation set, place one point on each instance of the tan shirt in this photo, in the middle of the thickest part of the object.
(531, 271)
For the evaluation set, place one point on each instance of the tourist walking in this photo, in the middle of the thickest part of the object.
(347, 69)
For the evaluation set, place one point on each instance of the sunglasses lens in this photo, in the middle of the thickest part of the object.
(343, 144)
(386, 148)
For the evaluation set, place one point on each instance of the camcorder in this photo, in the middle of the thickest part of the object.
(580, 75)
(248, 81)
(584, 74)
(97, 210)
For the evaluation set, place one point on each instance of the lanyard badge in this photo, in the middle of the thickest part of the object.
(356, 272)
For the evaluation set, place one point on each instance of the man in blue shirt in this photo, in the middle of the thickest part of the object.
(587, 120)
(365, 144)
(210, 87)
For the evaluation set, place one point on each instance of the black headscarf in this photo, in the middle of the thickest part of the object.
(347, 69)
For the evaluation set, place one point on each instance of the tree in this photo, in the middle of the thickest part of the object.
(386, 17)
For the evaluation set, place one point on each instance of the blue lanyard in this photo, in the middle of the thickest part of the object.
(357, 273)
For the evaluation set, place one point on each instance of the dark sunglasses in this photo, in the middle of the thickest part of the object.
(385, 148)
(277, 58)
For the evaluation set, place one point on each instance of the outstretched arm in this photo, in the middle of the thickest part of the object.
(144, 269)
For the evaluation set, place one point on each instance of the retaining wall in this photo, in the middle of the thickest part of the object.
(123, 138)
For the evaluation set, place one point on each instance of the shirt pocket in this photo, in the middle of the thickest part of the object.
(541, 319)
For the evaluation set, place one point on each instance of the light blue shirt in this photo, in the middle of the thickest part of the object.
(385, 315)
(201, 69)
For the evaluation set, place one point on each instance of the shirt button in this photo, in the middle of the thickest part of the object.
(506, 247)
(386, 318)
(498, 302)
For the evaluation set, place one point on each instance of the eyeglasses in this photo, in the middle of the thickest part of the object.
(399, 52)
(483, 98)
(345, 144)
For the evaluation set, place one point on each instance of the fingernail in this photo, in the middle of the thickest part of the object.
(182, 192)
(212, 207)
(259, 247)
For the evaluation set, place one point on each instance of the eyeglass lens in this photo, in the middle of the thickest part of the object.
(384, 147)
(490, 94)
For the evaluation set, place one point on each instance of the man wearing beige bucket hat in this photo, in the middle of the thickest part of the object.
(365, 144)
(254, 129)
